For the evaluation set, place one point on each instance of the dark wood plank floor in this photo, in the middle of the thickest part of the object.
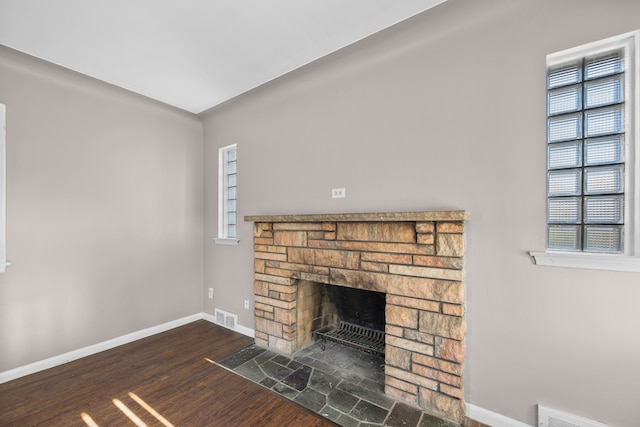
(168, 374)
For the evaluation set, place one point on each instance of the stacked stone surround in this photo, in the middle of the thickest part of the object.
(415, 258)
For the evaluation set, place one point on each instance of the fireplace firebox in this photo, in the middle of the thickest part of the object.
(360, 319)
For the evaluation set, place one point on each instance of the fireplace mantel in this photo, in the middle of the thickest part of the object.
(365, 217)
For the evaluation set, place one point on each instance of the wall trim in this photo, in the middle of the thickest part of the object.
(60, 359)
(490, 418)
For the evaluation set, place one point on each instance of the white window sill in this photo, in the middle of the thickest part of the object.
(587, 260)
(225, 241)
(4, 265)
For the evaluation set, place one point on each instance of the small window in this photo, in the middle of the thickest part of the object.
(585, 155)
(592, 165)
(227, 195)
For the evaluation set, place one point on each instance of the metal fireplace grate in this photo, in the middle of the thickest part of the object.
(355, 336)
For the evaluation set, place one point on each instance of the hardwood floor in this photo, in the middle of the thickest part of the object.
(168, 373)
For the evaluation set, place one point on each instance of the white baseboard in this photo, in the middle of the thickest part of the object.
(41, 365)
(492, 419)
(239, 328)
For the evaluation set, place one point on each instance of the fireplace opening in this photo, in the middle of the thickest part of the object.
(341, 331)
(358, 321)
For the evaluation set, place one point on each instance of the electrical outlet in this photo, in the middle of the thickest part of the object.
(338, 193)
(210, 293)
(246, 304)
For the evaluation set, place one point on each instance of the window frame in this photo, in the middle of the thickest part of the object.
(629, 260)
(223, 187)
(4, 263)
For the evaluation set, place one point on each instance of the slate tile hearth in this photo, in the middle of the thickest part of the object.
(341, 384)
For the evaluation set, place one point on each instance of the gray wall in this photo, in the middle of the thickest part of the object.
(444, 111)
(104, 216)
(447, 111)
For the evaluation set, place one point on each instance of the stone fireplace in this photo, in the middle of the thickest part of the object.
(416, 259)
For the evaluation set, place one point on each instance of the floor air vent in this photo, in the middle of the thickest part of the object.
(548, 417)
(226, 319)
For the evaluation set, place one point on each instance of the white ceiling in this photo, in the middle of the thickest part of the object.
(193, 54)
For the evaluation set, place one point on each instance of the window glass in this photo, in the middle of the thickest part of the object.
(586, 129)
(227, 189)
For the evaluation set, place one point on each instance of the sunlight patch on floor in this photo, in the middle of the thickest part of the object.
(129, 413)
(150, 410)
(88, 420)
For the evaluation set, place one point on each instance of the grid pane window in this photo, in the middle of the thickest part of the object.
(228, 193)
(585, 154)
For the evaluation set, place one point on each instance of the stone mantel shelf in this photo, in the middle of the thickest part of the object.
(364, 217)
